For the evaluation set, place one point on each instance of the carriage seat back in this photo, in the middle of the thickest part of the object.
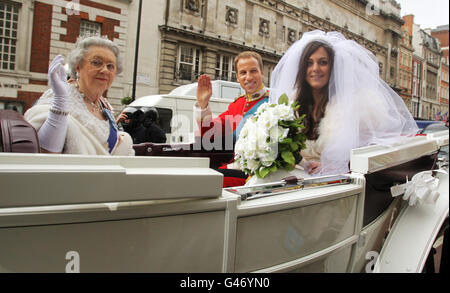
(217, 157)
(16, 134)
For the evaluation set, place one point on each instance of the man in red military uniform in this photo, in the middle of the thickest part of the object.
(250, 74)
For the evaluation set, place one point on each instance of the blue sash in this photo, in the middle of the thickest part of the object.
(112, 139)
(246, 116)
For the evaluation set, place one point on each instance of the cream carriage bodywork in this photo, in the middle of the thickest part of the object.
(161, 214)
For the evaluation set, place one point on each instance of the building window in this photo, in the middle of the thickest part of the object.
(90, 28)
(189, 60)
(9, 19)
(225, 68)
(12, 105)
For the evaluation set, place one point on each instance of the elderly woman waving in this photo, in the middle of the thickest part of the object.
(73, 117)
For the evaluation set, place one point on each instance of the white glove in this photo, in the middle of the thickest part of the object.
(58, 82)
(52, 134)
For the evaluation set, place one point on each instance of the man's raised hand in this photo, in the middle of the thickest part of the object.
(204, 91)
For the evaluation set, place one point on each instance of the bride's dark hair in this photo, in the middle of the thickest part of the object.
(314, 112)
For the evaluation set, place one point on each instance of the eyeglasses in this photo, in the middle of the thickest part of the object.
(98, 63)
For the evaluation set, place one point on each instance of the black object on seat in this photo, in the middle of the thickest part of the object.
(16, 134)
(233, 173)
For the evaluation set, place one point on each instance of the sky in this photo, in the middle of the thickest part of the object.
(427, 13)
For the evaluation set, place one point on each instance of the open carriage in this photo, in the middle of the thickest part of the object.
(169, 213)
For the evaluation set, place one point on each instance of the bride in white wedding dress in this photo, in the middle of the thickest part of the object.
(347, 105)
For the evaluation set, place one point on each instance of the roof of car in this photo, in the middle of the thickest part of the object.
(424, 123)
(434, 127)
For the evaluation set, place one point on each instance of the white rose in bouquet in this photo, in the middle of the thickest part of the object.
(284, 112)
(279, 133)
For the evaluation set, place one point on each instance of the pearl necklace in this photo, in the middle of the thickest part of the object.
(96, 107)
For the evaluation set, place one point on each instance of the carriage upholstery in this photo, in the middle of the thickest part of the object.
(378, 184)
(217, 157)
(16, 134)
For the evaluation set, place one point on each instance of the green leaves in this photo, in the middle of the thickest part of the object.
(283, 99)
(295, 106)
(263, 172)
(293, 146)
(288, 157)
(273, 168)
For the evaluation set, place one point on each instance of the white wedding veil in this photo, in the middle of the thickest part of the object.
(367, 109)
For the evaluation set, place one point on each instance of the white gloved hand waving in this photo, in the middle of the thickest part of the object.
(52, 134)
(58, 82)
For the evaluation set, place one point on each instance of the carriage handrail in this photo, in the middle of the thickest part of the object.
(288, 184)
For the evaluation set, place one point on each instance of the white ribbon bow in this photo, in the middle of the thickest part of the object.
(422, 188)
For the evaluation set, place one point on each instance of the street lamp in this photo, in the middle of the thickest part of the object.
(418, 107)
(136, 54)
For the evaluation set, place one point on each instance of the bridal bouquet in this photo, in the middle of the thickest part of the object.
(271, 140)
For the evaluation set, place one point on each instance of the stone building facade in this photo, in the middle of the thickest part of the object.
(203, 36)
(417, 89)
(428, 72)
(411, 31)
(179, 39)
(442, 34)
(432, 59)
(405, 75)
(444, 88)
